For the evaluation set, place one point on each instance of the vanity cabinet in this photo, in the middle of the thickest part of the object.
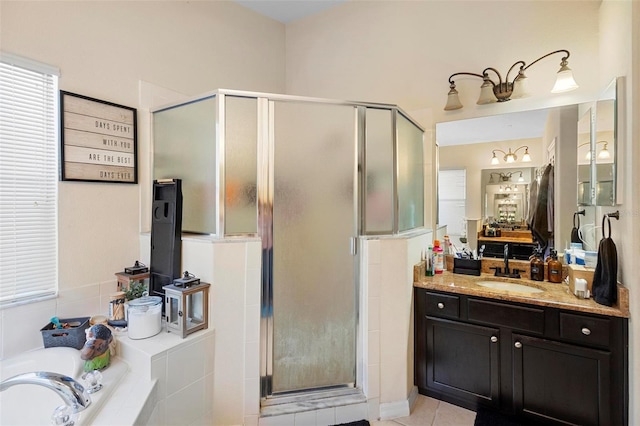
(561, 381)
(541, 364)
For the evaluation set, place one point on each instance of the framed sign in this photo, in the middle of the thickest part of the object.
(98, 140)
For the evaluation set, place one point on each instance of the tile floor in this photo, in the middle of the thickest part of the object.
(431, 412)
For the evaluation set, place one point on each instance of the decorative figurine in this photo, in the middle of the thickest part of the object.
(96, 351)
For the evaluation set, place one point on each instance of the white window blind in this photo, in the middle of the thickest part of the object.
(452, 201)
(28, 180)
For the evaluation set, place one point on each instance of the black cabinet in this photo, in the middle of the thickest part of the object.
(561, 382)
(541, 364)
(465, 360)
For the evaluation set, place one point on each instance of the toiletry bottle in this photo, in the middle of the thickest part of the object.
(555, 268)
(428, 267)
(447, 245)
(438, 262)
(537, 266)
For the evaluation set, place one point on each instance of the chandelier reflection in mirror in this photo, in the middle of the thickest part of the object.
(511, 157)
(604, 153)
(504, 90)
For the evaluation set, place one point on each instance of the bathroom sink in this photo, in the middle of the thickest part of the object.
(501, 285)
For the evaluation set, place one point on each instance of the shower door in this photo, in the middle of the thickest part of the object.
(312, 263)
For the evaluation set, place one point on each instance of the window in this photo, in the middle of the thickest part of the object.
(28, 180)
(452, 203)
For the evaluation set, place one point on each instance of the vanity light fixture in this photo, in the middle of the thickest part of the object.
(503, 91)
(511, 157)
(604, 153)
(505, 177)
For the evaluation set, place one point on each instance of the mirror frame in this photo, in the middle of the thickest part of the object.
(609, 94)
(585, 126)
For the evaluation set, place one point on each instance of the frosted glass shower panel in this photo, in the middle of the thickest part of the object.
(241, 135)
(410, 174)
(314, 286)
(379, 171)
(184, 147)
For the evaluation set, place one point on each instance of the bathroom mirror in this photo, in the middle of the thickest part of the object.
(584, 156)
(605, 150)
(537, 129)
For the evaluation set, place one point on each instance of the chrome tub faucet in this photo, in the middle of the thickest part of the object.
(72, 392)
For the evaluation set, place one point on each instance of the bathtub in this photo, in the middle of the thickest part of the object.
(33, 404)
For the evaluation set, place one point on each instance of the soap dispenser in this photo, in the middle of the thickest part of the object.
(554, 267)
(537, 266)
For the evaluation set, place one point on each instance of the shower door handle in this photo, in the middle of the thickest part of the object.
(353, 242)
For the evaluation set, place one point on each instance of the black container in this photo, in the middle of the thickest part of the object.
(466, 266)
(166, 235)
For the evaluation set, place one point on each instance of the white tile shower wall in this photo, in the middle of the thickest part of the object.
(371, 289)
(233, 270)
(397, 257)
(233, 389)
(252, 303)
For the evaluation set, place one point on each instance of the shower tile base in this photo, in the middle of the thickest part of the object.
(312, 404)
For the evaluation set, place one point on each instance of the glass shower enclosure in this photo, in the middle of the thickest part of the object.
(310, 177)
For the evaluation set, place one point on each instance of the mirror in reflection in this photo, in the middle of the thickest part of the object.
(584, 158)
(506, 199)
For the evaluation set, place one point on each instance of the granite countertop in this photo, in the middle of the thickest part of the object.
(554, 295)
(506, 239)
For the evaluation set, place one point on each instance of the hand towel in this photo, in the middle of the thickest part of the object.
(605, 279)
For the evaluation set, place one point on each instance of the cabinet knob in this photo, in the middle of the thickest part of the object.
(518, 345)
(586, 331)
(494, 339)
(440, 305)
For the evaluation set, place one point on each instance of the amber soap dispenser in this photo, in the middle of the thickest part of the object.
(555, 268)
(537, 266)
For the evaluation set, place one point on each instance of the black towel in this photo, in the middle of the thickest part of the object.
(605, 278)
(542, 221)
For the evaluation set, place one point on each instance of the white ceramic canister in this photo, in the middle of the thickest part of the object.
(144, 316)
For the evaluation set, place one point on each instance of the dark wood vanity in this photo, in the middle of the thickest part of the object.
(544, 358)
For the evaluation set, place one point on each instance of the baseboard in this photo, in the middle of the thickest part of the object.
(413, 397)
(402, 408)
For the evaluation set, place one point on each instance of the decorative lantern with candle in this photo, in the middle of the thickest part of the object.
(133, 277)
(187, 305)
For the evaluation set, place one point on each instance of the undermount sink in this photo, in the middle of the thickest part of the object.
(501, 285)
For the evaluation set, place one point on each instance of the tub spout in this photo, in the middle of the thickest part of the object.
(72, 392)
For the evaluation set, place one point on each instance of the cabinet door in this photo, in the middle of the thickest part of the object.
(462, 361)
(559, 382)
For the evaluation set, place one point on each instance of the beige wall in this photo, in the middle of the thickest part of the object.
(403, 52)
(620, 56)
(104, 50)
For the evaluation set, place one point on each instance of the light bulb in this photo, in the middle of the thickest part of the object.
(604, 153)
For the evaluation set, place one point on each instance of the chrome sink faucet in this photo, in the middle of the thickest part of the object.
(72, 392)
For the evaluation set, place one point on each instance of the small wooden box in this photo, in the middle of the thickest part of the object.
(448, 259)
(580, 271)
